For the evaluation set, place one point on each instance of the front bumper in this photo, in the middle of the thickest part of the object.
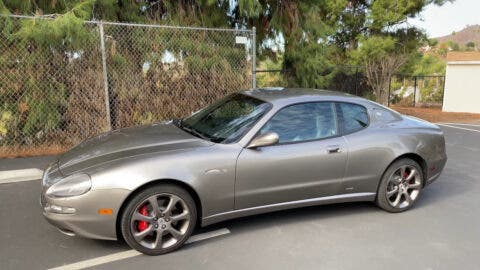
(87, 220)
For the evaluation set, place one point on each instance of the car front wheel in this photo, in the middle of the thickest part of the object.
(159, 219)
(400, 186)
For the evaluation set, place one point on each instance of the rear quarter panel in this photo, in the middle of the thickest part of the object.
(372, 150)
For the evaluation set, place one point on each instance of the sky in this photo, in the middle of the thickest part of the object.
(443, 20)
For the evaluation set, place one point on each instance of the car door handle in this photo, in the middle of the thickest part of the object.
(333, 149)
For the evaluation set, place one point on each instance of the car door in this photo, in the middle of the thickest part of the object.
(366, 146)
(308, 162)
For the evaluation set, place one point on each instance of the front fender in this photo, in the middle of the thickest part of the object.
(212, 179)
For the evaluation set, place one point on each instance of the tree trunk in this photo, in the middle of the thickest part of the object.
(379, 71)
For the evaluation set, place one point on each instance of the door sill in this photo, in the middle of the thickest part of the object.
(350, 197)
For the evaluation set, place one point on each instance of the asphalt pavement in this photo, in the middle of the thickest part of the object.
(23, 163)
(441, 232)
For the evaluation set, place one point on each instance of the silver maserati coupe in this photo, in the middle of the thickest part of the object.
(252, 152)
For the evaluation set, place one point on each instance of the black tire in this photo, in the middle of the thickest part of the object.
(139, 199)
(386, 185)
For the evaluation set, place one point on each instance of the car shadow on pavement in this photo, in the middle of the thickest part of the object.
(450, 185)
(297, 215)
(444, 190)
(118, 245)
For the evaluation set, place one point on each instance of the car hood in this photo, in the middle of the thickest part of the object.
(127, 142)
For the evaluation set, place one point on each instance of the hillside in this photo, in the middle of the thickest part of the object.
(469, 33)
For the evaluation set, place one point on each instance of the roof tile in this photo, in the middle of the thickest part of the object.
(463, 56)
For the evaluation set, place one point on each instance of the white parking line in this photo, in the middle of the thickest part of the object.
(207, 235)
(460, 124)
(469, 129)
(99, 260)
(20, 175)
(133, 253)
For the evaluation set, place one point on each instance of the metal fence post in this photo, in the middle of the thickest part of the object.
(443, 91)
(356, 80)
(414, 90)
(254, 58)
(389, 89)
(105, 78)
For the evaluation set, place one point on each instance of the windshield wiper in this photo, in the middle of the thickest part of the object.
(179, 123)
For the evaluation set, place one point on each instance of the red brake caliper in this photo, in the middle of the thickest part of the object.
(143, 225)
(405, 175)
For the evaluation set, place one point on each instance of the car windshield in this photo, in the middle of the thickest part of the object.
(225, 121)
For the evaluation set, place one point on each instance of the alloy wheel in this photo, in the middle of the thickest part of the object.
(160, 221)
(403, 187)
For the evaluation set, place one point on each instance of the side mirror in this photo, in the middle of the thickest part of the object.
(269, 138)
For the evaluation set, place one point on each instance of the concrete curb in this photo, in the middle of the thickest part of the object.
(20, 175)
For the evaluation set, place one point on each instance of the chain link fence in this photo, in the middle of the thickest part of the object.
(58, 89)
(416, 91)
(346, 79)
(403, 91)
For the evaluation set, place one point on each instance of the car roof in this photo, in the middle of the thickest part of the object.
(281, 95)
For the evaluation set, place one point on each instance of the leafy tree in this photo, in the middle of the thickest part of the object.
(273, 78)
(304, 27)
(382, 59)
(51, 96)
(470, 46)
(443, 49)
(453, 45)
(429, 64)
(318, 35)
(432, 42)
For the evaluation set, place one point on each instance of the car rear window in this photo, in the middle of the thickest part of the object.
(352, 117)
(384, 115)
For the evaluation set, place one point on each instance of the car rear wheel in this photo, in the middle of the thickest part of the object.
(159, 219)
(400, 186)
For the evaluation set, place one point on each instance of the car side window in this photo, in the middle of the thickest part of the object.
(352, 117)
(383, 115)
(303, 122)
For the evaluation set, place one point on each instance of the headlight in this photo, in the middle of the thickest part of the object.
(51, 175)
(45, 179)
(72, 185)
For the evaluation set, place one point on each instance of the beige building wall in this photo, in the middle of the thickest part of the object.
(462, 87)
